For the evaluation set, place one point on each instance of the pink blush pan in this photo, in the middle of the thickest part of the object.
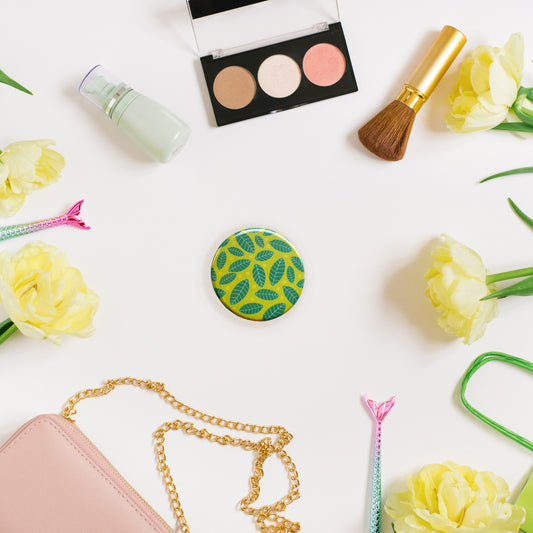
(324, 64)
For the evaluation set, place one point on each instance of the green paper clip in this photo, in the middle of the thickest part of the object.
(525, 499)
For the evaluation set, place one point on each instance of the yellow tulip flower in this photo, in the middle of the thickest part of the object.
(487, 86)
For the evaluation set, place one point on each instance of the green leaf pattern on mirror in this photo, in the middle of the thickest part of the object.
(290, 274)
(251, 309)
(235, 251)
(227, 278)
(245, 242)
(291, 294)
(267, 294)
(241, 264)
(221, 260)
(239, 291)
(259, 275)
(281, 246)
(276, 271)
(264, 279)
(264, 255)
(274, 311)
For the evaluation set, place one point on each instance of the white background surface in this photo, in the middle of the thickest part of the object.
(364, 228)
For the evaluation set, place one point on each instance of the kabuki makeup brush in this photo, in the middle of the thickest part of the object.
(387, 134)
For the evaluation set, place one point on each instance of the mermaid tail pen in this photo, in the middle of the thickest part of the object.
(379, 411)
(70, 218)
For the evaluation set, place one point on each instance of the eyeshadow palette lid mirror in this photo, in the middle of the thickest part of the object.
(225, 27)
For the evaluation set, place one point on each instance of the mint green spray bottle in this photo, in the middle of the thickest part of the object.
(155, 129)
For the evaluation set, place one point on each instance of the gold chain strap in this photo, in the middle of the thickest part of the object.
(267, 517)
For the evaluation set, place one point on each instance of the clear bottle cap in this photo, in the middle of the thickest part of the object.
(102, 88)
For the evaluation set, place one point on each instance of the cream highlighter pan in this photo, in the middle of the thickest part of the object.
(279, 76)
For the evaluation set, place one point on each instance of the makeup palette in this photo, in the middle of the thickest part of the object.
(283, 66)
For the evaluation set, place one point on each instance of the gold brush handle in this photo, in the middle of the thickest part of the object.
(437, 60)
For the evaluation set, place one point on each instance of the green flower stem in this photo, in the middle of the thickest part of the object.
(522, 288)
(510, 274)
(521, 214)
(514, 126)
(7, 328)
(522, 170)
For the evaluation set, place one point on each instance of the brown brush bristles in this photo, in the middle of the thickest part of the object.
(387, 134)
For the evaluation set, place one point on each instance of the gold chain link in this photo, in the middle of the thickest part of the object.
(267, 517)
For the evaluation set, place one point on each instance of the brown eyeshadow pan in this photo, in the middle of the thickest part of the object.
(234, 87)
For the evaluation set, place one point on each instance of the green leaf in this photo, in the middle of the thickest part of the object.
(274, 311)
(251, 309)
(522, 170)
(226, 241)
(235, 251)
(301, 283)
(259, 241)
(514, 126)
(276, 271)
(239, 265)
(264, 255)
(510, 274)
(221, 260)
(521, 214)
(259, 275)
(213, 274)
(4, 78)
(7, 328)
(522, 288)
(523, 105)
(267, 232)
(280, 246)
(267, 294)
(297, 262)
(228, 278)
(245, 242)
(239, 292)
(291, 294)
(290, 274)
(219, 292)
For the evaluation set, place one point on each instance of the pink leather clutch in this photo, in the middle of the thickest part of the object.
(53, 479)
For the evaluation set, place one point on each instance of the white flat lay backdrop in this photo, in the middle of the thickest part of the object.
(364, 228)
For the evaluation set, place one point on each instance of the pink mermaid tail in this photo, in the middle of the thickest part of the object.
(71, 218)
(379, 412)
